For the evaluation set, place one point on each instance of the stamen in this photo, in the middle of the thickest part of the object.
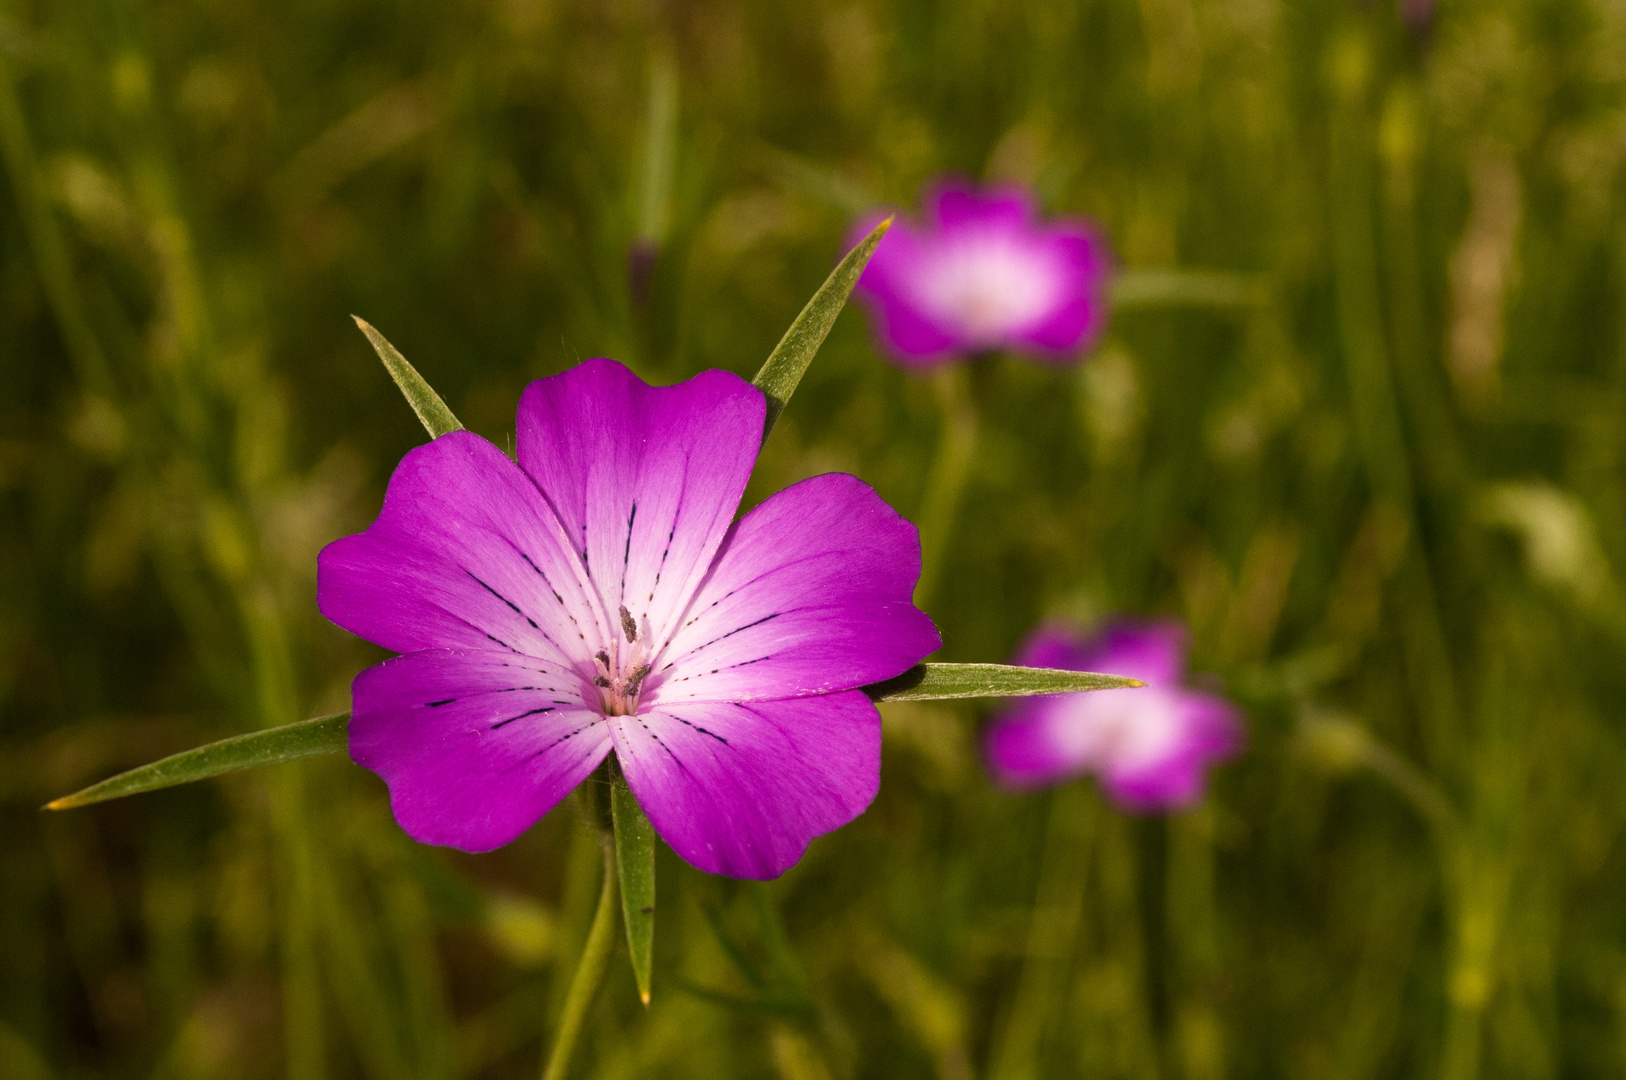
(628, 627)
(635, 680)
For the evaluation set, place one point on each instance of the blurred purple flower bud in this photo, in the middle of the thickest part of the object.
(642, 256)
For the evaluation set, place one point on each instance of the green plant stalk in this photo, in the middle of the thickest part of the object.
(1058, 909)
(1188, 288)
(590, 970)
(951, 467)
(303, 1026)
(1381, 441)
(50, 250)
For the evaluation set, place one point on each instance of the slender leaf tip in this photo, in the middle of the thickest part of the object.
(941, 682)
(268, 746)
(431, 409)
(785, 366)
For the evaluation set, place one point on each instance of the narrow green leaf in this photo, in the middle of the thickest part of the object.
(935, 682)
(635, 858)
(324, 735)
(788, 362)
(431, 410)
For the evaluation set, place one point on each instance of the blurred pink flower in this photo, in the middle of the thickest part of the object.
(1151, 747)
(982, 272)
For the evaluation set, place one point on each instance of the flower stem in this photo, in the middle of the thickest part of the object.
(1058, 909)
(950, 469)
(589, 971)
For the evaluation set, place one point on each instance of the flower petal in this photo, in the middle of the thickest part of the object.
(1079, 315)
(475, 746)
(741, 789)
(888, 286)
(1153, 652)
(1026, 746)
(464, 554)
(809, 594)
(1209, 731)
(646, 479)
(954, 204)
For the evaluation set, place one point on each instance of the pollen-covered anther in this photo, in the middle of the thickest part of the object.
(621, 678)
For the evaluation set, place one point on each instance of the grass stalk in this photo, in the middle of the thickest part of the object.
(584, 985)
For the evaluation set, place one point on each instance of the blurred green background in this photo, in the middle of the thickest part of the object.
(1386, 493)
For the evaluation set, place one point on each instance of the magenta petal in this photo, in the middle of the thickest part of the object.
(1154, 652)
(646, 479)
(1079, 315)
(464, 554)
(915, 337)
(811, 593)
(741, 789)
(955, 204)
(1210, 731)
(1025, 747)
(475, 746)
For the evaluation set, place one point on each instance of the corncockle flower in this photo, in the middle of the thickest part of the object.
(598, 597)
(1150, 747)
(983, 273)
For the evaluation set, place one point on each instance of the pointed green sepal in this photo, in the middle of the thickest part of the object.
(936, 682)
(635, 859)
(308, 738)
(788, 362)
(431, 410)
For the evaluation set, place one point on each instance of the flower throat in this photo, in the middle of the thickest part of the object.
(620, 681)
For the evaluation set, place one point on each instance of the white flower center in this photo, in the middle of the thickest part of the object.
(989, 285)
(1124, 730)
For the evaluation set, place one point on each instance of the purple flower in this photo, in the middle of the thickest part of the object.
(599, 597)
(1149, 746)
(982, 273)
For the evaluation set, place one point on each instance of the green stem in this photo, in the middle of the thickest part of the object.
(1179, 287)
(1058, 908)
(589, 971)
(950, 469)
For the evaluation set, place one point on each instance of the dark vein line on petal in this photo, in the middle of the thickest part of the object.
(521, 716)
(562, 738)
(715, 640)
(626, 550)
(505, 600)
(698, 728)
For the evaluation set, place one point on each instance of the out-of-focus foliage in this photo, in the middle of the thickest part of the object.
(1389, 501)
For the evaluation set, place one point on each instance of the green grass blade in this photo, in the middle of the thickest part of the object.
(635, 859)
(308, 738)
(936, 682)
(1189, 288)
(788, 362)
(436, 417)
